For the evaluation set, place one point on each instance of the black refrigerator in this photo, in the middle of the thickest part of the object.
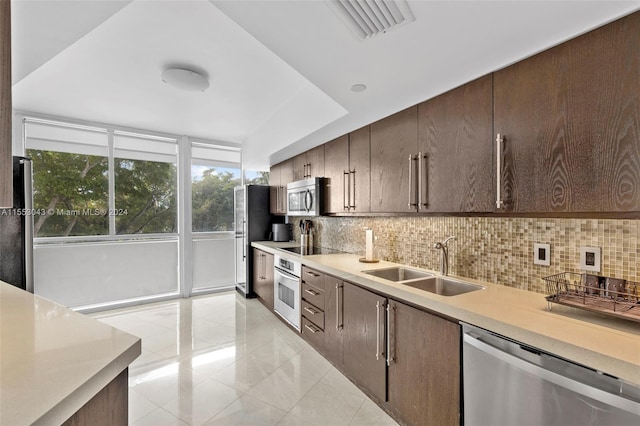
(252, 223)
(16, 230)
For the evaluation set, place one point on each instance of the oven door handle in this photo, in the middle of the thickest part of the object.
(285, 274)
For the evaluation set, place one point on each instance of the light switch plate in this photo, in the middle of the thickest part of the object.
(542, 254)
(590, 259)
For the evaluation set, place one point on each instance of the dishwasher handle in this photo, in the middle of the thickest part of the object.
(470, 338)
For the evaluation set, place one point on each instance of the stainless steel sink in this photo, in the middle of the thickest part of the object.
(443, 286)
(398, 273)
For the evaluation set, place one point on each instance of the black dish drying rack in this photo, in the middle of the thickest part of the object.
(611, 296)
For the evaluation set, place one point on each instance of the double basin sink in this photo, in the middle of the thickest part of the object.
(443, 286)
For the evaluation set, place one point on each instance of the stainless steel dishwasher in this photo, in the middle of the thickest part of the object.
(509, 383)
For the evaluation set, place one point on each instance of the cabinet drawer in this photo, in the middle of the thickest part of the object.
(313, 277)
(313, 314)
(312, 333)
(313, 295)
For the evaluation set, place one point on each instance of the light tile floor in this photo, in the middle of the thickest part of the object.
(222, 360)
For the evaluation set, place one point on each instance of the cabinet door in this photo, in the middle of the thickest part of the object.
(360, 166)
(569, 117)
(336, 164)
(300, 163)
(257, 276)
(424, 367)
(286, 173)
(6, 161)
(268, 291)
(263, 277)
(333, 318)
(393, 140)
(315, 161)
(364, 339)
(274, 190)
(280, 175)
(309, 164)
(455, 134)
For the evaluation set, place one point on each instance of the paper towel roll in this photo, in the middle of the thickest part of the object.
(369, 244)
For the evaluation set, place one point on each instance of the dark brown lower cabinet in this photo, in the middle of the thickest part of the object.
(424, 367)
(407, 359)
(263, 277)
(363, 341)
(333, 319)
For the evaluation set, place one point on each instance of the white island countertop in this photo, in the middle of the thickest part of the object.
(606, 344)
(54, 360)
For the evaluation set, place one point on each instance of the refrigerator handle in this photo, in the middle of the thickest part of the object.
(28, 225)
(244, 254)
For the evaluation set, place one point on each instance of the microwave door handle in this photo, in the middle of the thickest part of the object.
(307, 200)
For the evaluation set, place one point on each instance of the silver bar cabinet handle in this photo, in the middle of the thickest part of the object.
(409, 204)
(345, 191)
(419, 180)
(352, 205)
(311, 311)
(311, 329)
(390, 336)
(311, 292)
(338, 306)
(426, 180)
(499, 202)
(377, 329)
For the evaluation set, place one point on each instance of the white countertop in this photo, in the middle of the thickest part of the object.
(606, 344)
(53, 360)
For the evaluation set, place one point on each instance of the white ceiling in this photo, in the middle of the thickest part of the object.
(280, 71)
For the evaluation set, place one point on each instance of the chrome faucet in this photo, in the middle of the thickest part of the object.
(444, 258)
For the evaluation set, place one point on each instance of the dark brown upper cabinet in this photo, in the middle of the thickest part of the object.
(309, 164)
(279, 176)
(336, 156)
(570, 119)
(455, 151)
(394, 144)
(6, 161)
(347, 167)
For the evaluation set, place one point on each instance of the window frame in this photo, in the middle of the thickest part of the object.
(111, 131)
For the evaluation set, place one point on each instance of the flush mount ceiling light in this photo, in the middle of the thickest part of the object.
(366, 18)
(185, 79)
(358, 88)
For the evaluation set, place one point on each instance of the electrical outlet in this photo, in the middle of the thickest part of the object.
(590, 259)
(542, 254)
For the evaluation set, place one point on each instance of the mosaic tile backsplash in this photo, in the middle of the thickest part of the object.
(498, 250)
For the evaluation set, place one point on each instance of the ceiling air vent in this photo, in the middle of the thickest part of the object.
(368, 18)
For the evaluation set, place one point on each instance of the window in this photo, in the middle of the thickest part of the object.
(145, 184)
(70, 179)
(215, 172)
(257, 178)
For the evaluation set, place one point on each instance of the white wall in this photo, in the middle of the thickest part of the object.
(213, 262)
(79, 274)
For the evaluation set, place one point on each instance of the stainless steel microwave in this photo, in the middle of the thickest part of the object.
(305, 197)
